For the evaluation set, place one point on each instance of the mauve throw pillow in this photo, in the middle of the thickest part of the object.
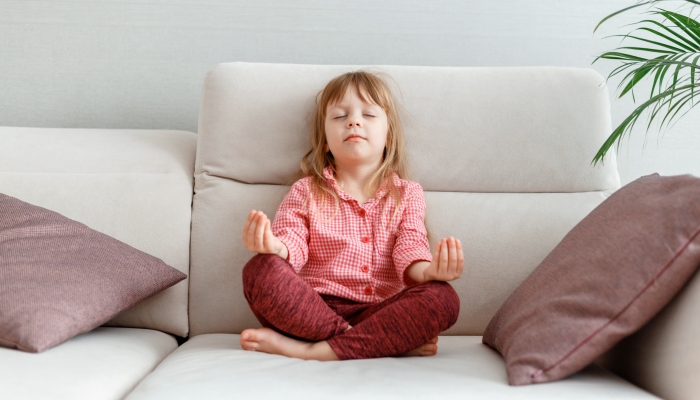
(608, 277)
(59, 278)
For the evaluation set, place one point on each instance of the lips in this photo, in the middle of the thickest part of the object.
(354, 137)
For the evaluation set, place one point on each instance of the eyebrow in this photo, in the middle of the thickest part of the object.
(340, 104)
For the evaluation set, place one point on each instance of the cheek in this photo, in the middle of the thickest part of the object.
(385, 130)
(332, 141)
(329, 133)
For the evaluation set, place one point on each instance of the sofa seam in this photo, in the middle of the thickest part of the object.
(605, 192)
(200, 130)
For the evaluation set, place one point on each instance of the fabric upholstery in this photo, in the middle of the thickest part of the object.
(215, 367)
(608, 277)
(502, 153)
(132, 185)
(103, 364)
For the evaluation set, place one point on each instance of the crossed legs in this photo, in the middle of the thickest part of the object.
(298, 322)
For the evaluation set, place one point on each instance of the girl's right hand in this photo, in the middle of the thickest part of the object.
(258, 237)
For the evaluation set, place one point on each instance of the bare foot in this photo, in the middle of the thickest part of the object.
(428, 349)
(269, 341)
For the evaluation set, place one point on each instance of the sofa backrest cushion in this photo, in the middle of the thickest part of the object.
(503, 155)
(132, 185)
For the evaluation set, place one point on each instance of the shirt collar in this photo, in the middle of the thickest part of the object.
(381, 192)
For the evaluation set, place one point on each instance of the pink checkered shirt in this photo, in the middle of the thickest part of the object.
(361, 252)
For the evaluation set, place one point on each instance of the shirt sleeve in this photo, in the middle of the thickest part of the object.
(412, 238)
(291, 224)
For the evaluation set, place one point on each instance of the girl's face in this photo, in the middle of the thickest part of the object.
(356, 131)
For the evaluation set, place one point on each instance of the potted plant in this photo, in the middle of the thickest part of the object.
(665, 47)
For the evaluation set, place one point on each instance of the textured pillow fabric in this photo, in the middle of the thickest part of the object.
(59, 278)
(609, 276)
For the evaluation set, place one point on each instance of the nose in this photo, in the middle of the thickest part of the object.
(354, 122)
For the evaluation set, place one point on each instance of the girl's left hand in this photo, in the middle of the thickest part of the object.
(448, 261)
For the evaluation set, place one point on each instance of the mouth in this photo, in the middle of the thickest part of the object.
(354, 138)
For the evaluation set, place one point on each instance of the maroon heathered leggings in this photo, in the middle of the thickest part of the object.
(282, 301)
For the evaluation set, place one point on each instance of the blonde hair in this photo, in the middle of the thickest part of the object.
(394, 160)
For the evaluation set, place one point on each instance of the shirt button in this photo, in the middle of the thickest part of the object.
(368, 290)
(365, 239)
(362, 212)
(365, 268)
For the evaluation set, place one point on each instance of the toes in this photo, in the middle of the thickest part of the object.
(428, 349)
(250, 339)
(432, 349)
(250, 346)
(248, 334)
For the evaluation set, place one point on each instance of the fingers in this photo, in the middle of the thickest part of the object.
(444, 258)
(246, 226)
(460, 259)
(249, 224)
(450, 259)
(260, 231)
(254, 230)
(252, 227)
(452, 264)
(267, 232)
(269, 240)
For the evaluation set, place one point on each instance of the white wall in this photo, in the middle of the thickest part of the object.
(140, 64)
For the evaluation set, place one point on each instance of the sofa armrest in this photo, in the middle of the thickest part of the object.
(664, 356)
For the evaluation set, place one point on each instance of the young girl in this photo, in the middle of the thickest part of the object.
(345, 271)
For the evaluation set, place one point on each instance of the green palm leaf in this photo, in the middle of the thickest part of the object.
(667, 50)
(626, 126)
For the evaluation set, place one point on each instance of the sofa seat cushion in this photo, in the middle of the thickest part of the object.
(105, 363)
(213, 366)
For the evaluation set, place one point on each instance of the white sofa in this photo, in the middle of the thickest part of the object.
(502, 153)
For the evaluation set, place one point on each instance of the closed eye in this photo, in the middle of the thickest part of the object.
(339, 117)
(370, 115)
